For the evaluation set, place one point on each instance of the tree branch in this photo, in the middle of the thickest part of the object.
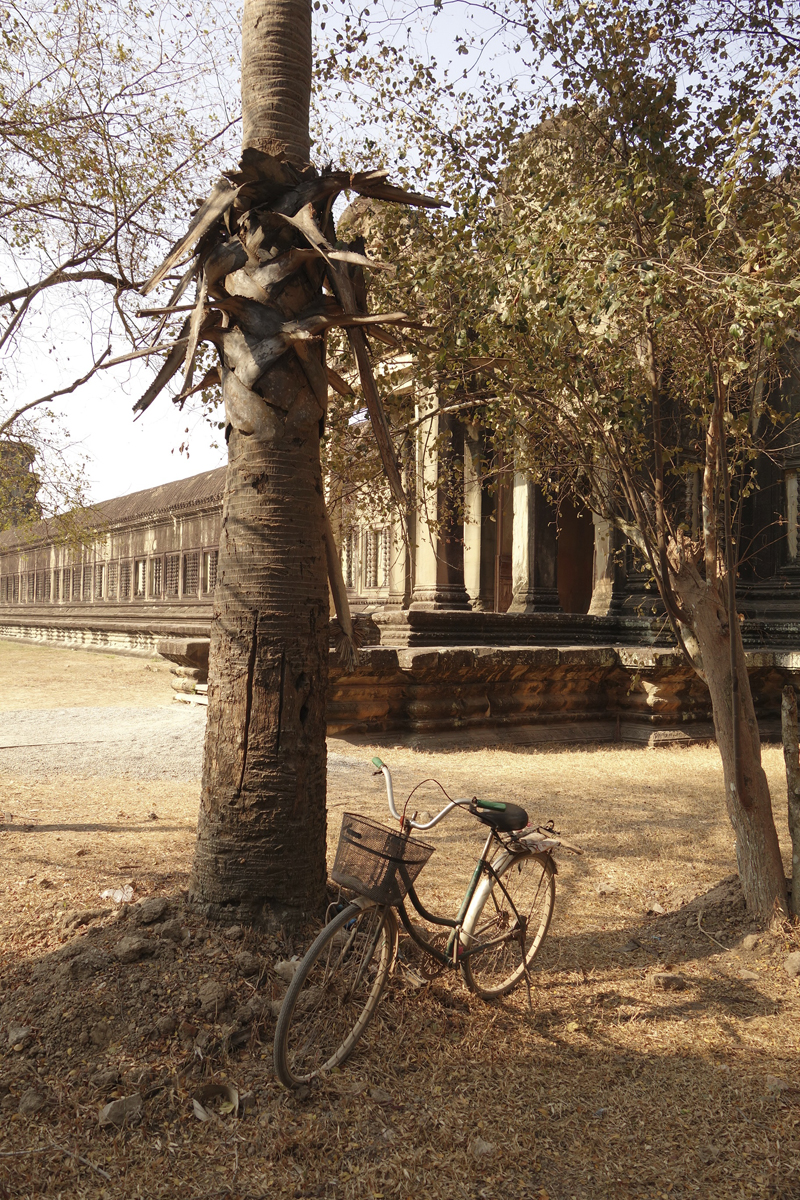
(675, 609)
(84, 256)
(709, 508)
(6, 425)
(63, 277)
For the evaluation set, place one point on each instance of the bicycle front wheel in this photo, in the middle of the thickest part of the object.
(334, 993)
(506, 923)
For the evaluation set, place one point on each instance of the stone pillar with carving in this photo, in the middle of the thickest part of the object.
(439, 564)
(608, 590)
(399, 564)
(534, 554)
(790, 483)
(472, 515)
(402, 535)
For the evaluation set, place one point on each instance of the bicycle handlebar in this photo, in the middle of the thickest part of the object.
(387, 775)
(553, 839)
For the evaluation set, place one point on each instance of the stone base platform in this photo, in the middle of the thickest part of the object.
(523, 695)
(482, 678)
(411, 627)
(136, 629)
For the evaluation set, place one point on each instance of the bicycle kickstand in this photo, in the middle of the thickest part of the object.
(528, 983)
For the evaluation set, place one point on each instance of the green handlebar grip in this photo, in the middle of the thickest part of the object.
(376, 762)
(494, 804)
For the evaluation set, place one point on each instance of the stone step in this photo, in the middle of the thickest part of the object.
(187, 698)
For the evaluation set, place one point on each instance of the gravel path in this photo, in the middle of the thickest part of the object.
(133, 743)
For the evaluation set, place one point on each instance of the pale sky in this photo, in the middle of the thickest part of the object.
(128, 455)
(123, 455)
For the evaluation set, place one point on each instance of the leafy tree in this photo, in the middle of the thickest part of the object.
(39, 475)
(111, 114)
(618, 285)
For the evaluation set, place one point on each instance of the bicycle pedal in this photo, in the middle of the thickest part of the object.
(412, 976)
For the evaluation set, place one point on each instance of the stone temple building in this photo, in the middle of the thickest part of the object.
(516, 622)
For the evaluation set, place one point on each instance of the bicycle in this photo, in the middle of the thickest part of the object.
(493, 939)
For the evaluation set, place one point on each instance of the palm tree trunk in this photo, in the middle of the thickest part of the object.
(276, 77)
(261, 831)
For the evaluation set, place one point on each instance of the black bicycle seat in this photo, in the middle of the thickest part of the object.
(504, 818)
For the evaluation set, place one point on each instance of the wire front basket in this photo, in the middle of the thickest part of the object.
(377, 862)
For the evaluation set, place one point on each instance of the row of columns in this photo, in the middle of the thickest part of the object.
(455, 565)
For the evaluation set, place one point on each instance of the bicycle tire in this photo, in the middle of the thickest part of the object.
(529, 879)
(334, 993)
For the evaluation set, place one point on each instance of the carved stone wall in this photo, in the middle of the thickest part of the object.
(526, 694)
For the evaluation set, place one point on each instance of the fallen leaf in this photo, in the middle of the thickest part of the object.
(210, 1091)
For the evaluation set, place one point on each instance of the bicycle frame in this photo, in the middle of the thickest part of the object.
(339, 983)
(455, 951)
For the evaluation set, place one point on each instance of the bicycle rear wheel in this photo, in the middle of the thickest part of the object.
(334, 993)
(509, 918)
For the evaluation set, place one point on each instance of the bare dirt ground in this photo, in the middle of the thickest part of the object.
(605, 1088)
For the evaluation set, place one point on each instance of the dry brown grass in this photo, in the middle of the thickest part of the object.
(604, 1089)
(55, 677)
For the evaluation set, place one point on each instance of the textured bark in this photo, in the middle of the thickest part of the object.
(276, 77)
(264, 241)
(757, 849)
(261, 831)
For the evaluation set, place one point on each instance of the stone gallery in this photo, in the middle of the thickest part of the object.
(512, 615)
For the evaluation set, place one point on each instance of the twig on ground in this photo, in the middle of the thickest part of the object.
(61, 1150)
(19, 1153)
(83, 1160)
(708, 935)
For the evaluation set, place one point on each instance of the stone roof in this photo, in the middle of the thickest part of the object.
(197, 490)
(166, 498)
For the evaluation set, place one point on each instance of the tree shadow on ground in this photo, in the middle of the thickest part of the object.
(692, 932)
(603, 1089)
(92, 827)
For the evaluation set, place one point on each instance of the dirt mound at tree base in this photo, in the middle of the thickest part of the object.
(146, 1004)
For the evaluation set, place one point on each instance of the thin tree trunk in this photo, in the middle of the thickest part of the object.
(791, 756)
(261, 831)
(750, 810)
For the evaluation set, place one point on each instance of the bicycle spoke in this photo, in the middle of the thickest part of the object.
(334, 993)
(504, 938)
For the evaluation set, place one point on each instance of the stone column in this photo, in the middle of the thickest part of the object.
(399, 565)
(472, 517)
(534, 553)
(402, 534)
(790, 478)
(608, 592)
(426, 468)
(487, 599)
(439, 567)
(692, 502)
